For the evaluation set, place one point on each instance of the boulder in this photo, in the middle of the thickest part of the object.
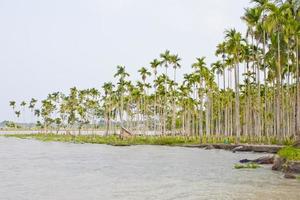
(239, 148)
(292, 167)
(245, 161)
(278, 163)
(265, 160)
(289, 176)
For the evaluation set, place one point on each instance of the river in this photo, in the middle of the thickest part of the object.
(33, 170)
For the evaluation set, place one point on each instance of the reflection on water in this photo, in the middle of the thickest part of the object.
(57, 171)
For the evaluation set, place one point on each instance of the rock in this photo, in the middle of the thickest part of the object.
(289, 176)
(245, 161)
(278, 163)
(265, 160)
(292, 167)
(239, 148)
(266, 148)
(209, 147)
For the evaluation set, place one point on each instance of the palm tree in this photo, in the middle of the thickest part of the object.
(18, 113)
(200, 73)
(154, 64)
(121, 74)
(174, 60)
(165, 60)
(274, 24)
(218, 68)
(235, 48)
(107, 98)
(32, 104)
(23, 104)
(144, 73)
(12, 104)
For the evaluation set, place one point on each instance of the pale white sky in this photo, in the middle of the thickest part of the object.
(52, 45)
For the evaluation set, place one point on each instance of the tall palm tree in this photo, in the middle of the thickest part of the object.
(144, 74)
(201, 72)
(108, 90)
(121, 74)
(175, 62)
(274, 24)
(154, 65)
(165, 60)
(235, 44)
(218, 68)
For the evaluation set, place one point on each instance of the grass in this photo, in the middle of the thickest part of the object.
(110, 140)
(247, 166)
(147, 140)
(290, 153)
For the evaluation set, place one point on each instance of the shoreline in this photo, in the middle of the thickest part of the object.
(257, 148)
(173, 141)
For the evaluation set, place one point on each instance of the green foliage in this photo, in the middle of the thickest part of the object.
(111, 140)
(290, 153)
(12, 125)
(141, 139)
(247, 166)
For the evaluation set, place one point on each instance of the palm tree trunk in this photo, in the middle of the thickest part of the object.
(237, 103)
(297, 110)
(278, 87)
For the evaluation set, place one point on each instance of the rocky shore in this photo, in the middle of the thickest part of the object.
(290, 168)
(240, 147)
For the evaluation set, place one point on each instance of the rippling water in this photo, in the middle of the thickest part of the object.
(35, 170)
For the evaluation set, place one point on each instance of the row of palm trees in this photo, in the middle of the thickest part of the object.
(251, 90)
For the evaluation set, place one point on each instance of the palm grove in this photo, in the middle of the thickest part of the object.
(252, 90)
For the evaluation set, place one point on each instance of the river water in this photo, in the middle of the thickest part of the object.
(33, 170)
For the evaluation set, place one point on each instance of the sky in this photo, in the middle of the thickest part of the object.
(52, 45)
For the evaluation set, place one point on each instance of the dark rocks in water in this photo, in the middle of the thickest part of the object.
(265, 160)
(245, 161)
(292, 167)
(289, 176)
(278, 163)
(240, 147)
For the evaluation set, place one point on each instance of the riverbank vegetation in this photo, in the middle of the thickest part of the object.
(143, 140)
(290, 153)
(111, 139)
(252, 90)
